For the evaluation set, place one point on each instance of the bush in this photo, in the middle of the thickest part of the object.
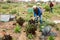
(17, 29)
(20, 21)
(13, 12)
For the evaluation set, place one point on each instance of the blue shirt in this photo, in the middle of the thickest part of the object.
(39, 12)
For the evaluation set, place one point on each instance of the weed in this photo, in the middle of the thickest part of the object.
(17, 29)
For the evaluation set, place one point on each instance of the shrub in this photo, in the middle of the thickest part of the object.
(17, 29)
(20, 21)
(13, 11)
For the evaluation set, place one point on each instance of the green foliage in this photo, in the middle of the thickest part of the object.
(20, 21)
(48, 22)
(57, 6)
(13, 11)
(17, 29)
(30, 36)
(15, 5)
(31, 28)
(8, 1)
(47, 8)
(41, 27)
(30, 5)
(3, 11)
(57, 29)
(51, 38)
(5, 7)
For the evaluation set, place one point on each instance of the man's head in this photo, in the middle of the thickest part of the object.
(34, 7)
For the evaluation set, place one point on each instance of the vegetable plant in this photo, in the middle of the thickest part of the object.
(30, 36)
(17, 29)
(20, 21)
(13, 11)
(51, 38)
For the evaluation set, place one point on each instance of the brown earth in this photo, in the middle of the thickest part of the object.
(9, 27)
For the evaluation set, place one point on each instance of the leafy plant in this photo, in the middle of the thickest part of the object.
(7, 37)
(17, 29)
(30, 5)
(13, 11)
(20, 21)
(41, 27)
(31, 28)
(46, 23)
(47, 8)
(31, 21)
(30, 36)
(57, 29)
(5, 7)
(8, 1)
(51, 38)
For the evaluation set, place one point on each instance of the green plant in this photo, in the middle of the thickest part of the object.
(17, 29)
(47, 8)
(5, 7)
(41, 27)
(30, 36)
(20, 21)
(51, 38)
(31, 28)
(30, 5)
(8, 1)
(57, 29)
(48, 22)
(13, 11)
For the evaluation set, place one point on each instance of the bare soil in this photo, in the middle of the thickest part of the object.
(9, 27)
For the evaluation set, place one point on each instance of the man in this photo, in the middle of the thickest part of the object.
(37, 13)
(51, 6)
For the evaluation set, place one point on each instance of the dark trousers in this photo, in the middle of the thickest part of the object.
(51, 9)
(36, 18)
